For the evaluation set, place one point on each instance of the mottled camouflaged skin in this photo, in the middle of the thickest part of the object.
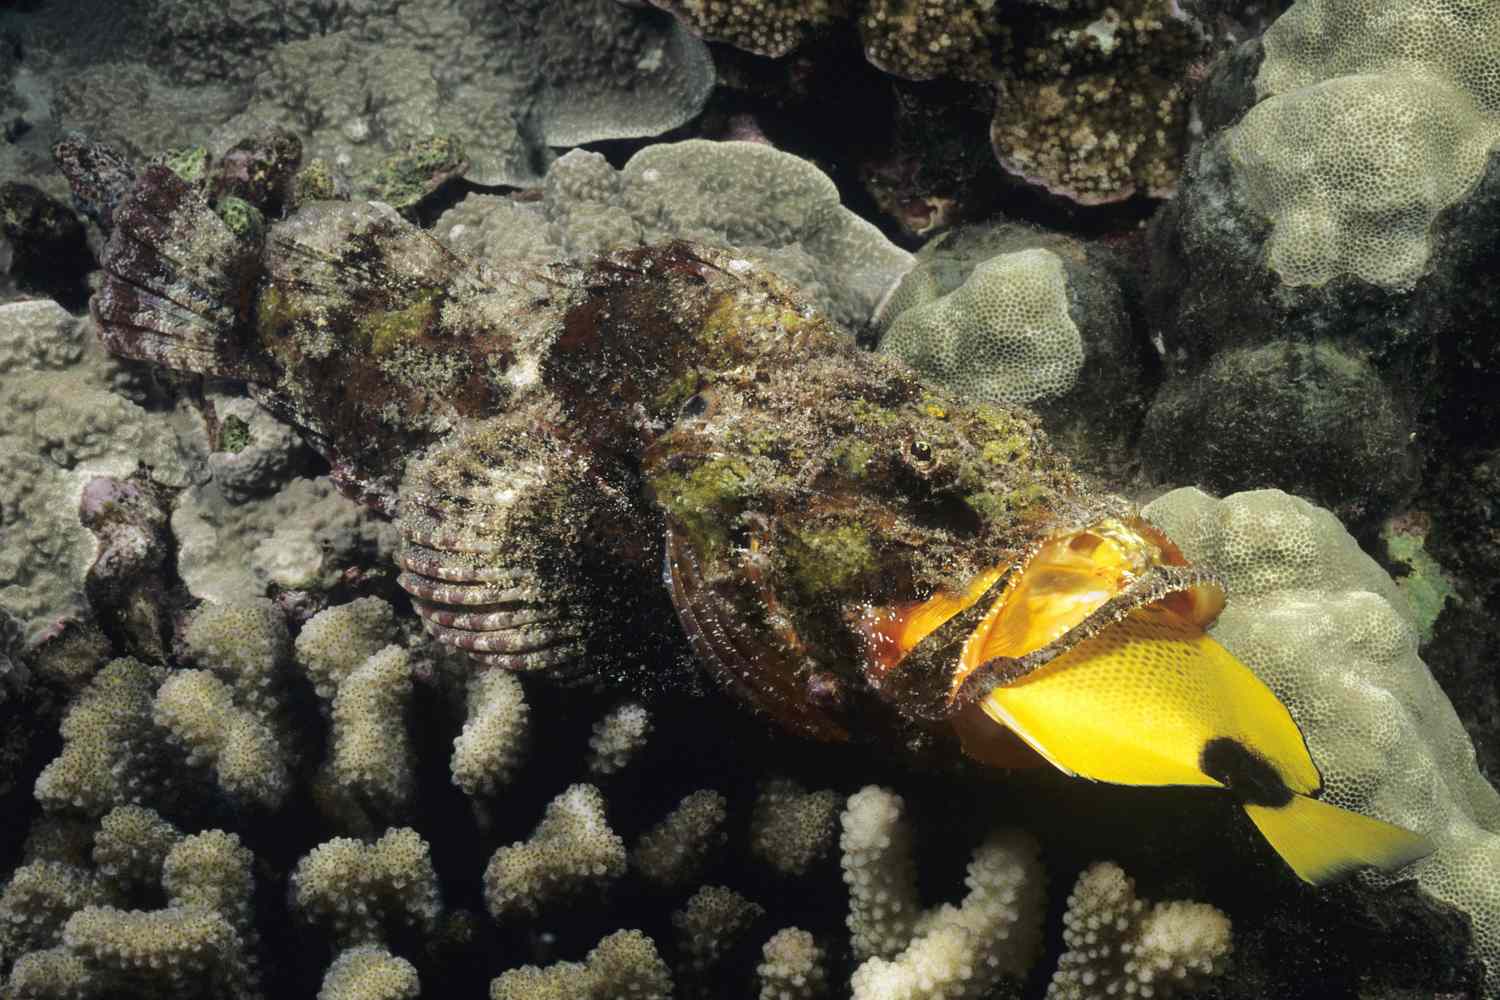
(591, 463)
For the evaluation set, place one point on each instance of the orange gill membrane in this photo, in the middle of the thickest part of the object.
(1066, 589)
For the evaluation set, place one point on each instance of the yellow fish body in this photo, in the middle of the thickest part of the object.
(1141, 695)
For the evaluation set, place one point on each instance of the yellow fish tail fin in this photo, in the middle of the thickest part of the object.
(1323, 843)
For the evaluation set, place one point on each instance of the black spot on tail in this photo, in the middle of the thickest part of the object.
(1244, 772)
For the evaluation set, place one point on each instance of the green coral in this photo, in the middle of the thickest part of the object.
(190, 163)
(234, 435)
(405, 178)
(1427, 586)
(242, 218)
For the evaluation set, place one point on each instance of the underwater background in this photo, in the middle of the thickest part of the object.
(1229, 264)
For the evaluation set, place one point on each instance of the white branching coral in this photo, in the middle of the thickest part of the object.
(248, 760)
(618, 737)
(132, 844)
(880, 871)
(337, 640)
(948, 953)
(792, 967)
(673, 852)
(200, 943)
(369, 972)
(245, 644)
(110, 750)
(572, 848)
(493, 742)
(1121, 946)
(712, 922)
(791, 829)
(624, 966)
(355, 888)
(372, 754)
(172, 947)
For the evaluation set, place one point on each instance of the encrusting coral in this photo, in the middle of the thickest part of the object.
(1008, 314)
(767, 204)
(1091, 99)
(362, 80)
(1319, 258)
(67, 422)
(1332, 635)
(1370, 122)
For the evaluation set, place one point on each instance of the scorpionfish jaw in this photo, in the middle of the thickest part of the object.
(1020, 613)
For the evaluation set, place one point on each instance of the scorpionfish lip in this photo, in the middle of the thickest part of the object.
(1046, 594)
(1073, 575)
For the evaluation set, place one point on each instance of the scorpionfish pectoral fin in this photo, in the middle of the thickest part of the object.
(730, 614)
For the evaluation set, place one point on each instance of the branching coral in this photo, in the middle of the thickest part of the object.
(947, 952)
(624, 964)
(1119, 945)
(357, 889)
(572, 848)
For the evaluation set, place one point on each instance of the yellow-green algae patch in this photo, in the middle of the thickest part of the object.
(700, 499)
(383, 332)
(830, 560)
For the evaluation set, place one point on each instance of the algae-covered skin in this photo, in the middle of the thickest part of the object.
(551, 437)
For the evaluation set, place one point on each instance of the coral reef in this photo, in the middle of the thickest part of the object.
(512, 84)
(624, 964)
(305, 537)
(1007, 314)
(572, 849)
(381, 647)
(1090, 100)
(64, 426)
(1095, 108)
(1119, 947)
(1333, 636)
(946, 952)
(772, 206)
(1336, 209)
(361, 81)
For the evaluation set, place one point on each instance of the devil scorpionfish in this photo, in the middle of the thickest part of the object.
(591, 463)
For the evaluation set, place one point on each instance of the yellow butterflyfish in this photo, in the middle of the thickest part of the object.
(1095, 655)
